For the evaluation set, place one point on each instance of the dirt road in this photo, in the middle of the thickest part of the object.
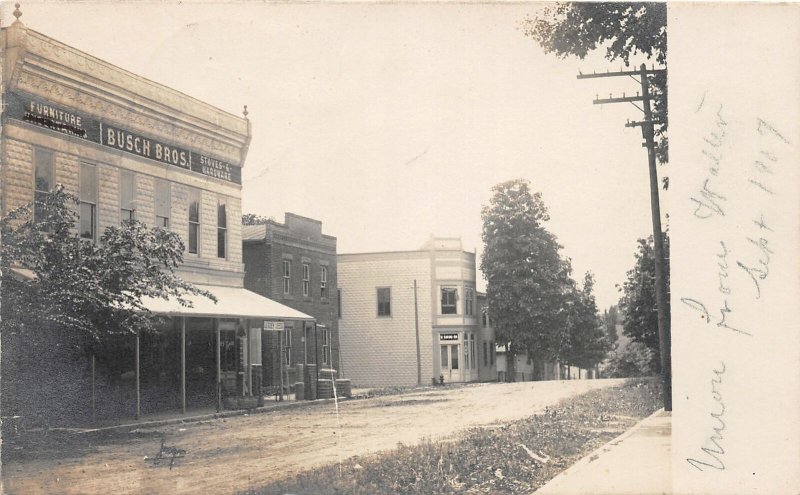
(226, 455)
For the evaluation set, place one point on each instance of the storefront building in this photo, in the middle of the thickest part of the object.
(295, 263)
(411, 317)
(128, 147)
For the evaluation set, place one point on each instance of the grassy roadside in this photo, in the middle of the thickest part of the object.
(510, 458)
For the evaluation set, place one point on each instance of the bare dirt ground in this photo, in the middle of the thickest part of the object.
(228, 455)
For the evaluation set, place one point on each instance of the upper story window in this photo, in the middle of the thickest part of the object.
(339, 302)
(449, 300)
(44, 174)
(194, 220)
(484, 319)
(306, 279)
(163, 199)
(127, 196)
(469, 301)
(287, 277)
(384, 301)
(222, 228)
(88, 202)
(323, 282)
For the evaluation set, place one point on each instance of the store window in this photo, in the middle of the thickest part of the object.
(222, 228)
(44, 179)
(469, 301)
(326, 346)
(323, 282)
(472, 352)
(88, 202)
(306, 279)
(449, 300)
(384, 301)
(163, 199)
(127, 196)
(194, 220)
(287, 277)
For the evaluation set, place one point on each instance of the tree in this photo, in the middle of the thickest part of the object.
(527, 280)
(63, 296)
(638, 303)
(624, 29)
(253, 219)
(587, 344)
(610, 322)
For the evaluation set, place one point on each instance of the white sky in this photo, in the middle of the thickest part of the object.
(392, 122)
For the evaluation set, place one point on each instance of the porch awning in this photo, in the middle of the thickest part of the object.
(232, 302)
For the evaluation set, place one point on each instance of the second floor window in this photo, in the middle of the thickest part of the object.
(339, 302)
(88, 202)
(306, 278)
(194, 220)
(384, 301)
(222, 229)
(127, 196)
(323, 282)
(449, 300)
(43, 180)
(163, 198)
(287, 277)
(468, 301)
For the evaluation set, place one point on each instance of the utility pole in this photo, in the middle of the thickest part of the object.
(664, 334)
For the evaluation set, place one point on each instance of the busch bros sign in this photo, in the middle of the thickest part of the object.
(43, 114)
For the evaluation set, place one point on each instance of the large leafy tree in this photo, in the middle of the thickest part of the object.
(623, 29)
(527, 279)
(53, 278)
(638, 303)
(254, 219)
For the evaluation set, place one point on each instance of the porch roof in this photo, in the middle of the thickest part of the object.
(232, 302)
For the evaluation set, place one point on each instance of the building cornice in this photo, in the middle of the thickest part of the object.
(41, 66)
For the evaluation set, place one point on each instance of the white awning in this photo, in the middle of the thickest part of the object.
(232, 302)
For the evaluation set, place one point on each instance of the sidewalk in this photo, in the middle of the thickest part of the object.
(635, 463)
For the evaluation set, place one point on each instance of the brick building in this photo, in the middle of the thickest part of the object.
(411, 316)
(295, 263)
(128, 147)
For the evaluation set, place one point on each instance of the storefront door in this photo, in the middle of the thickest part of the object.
(450, 362)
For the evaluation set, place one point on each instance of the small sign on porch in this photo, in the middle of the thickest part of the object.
(273, 325)
(448, 336)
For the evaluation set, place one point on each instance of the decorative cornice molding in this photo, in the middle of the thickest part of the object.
(82, 101)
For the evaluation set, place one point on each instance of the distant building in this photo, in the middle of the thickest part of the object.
(486, 343)
(525, 369)
(295, 263)
(410, 317)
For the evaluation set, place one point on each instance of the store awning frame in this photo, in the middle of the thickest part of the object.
(232, 302)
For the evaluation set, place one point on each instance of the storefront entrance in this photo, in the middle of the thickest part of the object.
(450, 368)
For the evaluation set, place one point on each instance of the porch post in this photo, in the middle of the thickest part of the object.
(219, 367)
(183, 364)
(138, 392)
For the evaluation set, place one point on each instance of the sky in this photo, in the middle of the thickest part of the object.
(391, 122)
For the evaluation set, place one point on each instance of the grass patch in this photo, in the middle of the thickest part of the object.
(497, 460)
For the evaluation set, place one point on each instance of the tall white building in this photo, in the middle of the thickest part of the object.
(409, 317)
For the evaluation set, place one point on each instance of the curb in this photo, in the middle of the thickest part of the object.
(128, 427)
(591, 456)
